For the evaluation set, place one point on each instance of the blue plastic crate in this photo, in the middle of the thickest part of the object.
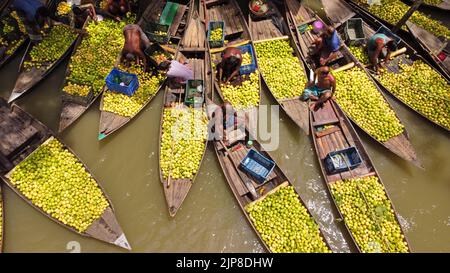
(342, 160)
(212, 26)
(250, 68)
(384, 30)
(115, 77)
(258, 166)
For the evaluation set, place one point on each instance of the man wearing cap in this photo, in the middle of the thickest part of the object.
(380, 46)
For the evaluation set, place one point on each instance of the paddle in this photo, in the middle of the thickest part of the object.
(244, 177)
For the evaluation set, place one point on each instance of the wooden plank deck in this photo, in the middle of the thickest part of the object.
(338, 138)
(229, 15)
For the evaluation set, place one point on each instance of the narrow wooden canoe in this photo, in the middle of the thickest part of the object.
(192, 49)
(70, 110)
(299, 15)
(111, 122)
(2, 219)
(236, 34)
(340, 136)
(23, 134)
(29, 77)
(423, 41)
(265, 30)
(276, 179)
(14, 44)
(370, 26)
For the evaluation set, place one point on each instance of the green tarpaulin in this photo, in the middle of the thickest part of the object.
(169, 12)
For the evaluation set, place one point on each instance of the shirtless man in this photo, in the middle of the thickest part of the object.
(321, 91)
(135, 43)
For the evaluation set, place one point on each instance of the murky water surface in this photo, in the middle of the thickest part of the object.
(210, 220)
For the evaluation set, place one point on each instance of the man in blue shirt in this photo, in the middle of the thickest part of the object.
(33, 14)
(327, 45)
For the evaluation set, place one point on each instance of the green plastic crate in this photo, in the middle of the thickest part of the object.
(195, 94)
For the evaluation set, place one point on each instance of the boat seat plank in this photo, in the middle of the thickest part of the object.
(327, 131)
(177, 20)
(324, 115)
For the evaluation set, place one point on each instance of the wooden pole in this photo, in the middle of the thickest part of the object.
(408, 14)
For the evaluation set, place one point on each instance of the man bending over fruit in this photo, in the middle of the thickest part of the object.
(380, 46)
(34, 16)
(135, 43)
(230, 64)
(322, 90)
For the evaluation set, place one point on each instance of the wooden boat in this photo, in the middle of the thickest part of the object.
(31, 76)
(2, 219)
(22, 134)
(273, 28)
(424, 41)
(236, 34)
(370, 26)
(71, 110)
(192, 49)
(443, 6)
(111, 122)
(15, 44)
(230, 157)
(300, 15)
(341, 135)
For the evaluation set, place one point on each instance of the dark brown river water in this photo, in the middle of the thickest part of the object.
(210, 220)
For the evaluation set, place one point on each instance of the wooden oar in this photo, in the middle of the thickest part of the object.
(344, 67)
(243, 176)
